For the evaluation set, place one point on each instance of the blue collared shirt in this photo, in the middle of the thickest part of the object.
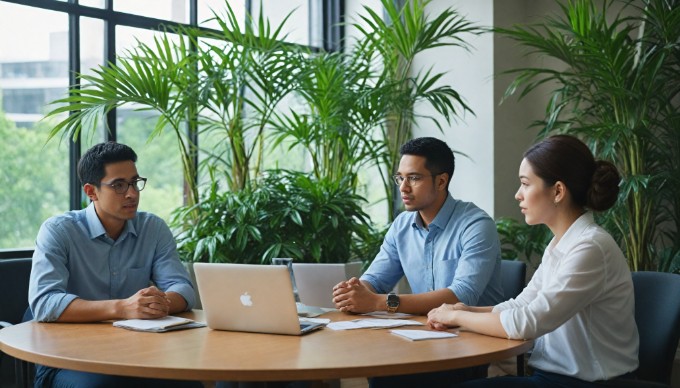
(460, 251)
(74, 258)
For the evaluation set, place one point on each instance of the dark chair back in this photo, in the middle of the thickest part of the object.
(657, 314)
(513, 277)
(14, 276)
(14, 279)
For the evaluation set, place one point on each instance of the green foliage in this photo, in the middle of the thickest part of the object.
(520, 241)
(339, 112)
(617, 88)
(669, 260)
(287, 214)
(33, 182)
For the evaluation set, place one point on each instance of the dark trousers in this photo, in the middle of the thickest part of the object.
(539, 379)
(431, 379)
(64, 378)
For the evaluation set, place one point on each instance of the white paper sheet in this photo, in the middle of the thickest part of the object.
(417, 335)
(371, 323)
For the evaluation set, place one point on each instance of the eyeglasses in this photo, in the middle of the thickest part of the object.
(411, 180)
(121, 186)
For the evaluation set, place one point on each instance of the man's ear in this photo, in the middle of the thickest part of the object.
(441, 181)
(90, 191)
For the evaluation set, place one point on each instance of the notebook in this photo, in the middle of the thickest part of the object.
(249, 297)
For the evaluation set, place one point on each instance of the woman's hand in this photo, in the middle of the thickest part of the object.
(443, 317)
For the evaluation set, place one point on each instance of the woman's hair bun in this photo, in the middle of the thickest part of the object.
(604, 186)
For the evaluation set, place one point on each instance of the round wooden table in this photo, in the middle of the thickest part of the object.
(205, 354)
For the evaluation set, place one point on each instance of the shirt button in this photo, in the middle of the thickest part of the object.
(115, 273)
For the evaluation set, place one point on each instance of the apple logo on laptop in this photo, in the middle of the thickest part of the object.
(246, 300)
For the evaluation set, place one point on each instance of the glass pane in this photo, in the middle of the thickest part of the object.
(207, 9)
(174, 10)
(92, 3)
(296, 28)
(33, 72)
(159, 159)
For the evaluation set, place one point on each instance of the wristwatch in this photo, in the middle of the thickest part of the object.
(392, 302)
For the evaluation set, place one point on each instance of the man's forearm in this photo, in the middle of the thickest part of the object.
(177, 302)
(80, 310)
(421, 304)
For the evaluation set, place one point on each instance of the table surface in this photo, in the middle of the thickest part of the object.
(205, 354)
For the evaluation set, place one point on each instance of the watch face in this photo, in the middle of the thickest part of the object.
(392, 300)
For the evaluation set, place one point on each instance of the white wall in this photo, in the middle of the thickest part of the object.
(497, 135)
(469, 73)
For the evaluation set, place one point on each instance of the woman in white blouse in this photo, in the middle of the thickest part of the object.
(579, 305)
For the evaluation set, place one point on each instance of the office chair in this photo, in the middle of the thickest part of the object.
(657, 314)
(14, 278)
(513, 277)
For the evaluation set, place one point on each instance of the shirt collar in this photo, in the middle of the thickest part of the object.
(442, 217)
(573, 234)
(97, 228)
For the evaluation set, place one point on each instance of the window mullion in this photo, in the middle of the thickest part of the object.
(75, 190)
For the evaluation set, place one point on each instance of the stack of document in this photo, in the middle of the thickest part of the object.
(159, 325)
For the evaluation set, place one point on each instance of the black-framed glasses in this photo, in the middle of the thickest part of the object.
(412, 180)
(121, 186)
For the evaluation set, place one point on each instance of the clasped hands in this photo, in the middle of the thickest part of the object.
(147, 303)
(353, 296)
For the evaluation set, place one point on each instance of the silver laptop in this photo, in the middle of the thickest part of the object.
(248, 297)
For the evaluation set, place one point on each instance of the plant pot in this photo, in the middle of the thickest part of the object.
(315, 281)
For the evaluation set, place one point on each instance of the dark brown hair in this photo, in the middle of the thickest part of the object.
(92, 166)
(438, 155)
(592, 183)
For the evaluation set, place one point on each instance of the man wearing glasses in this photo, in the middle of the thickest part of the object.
(448, 250)
(98, 263)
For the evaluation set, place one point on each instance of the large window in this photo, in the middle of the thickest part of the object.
(42, 44)
(34, 176)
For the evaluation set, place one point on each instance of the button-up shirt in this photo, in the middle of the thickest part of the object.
(459, 250)
(74, 258)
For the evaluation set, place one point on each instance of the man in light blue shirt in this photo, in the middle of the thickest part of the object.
(99, 263)
(448, 250)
